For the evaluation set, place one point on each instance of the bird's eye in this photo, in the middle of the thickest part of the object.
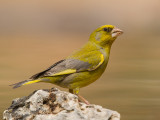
(107, 29)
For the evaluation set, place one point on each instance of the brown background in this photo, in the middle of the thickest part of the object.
(35, 34)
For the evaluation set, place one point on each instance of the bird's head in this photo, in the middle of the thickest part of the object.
(105, 35)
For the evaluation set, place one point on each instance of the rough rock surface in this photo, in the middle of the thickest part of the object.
(55, 105)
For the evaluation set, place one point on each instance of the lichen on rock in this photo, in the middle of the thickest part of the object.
(56, 105)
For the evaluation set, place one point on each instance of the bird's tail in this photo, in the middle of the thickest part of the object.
(25, 82)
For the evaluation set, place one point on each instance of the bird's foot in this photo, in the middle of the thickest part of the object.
(82, 99)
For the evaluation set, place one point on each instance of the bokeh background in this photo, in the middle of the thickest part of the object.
(35, 34)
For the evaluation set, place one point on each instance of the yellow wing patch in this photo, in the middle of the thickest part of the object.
(102, 60)
(100, 63)
(68, 71)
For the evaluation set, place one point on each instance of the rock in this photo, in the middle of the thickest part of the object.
(56, 105)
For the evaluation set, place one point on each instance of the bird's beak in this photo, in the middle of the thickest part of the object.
(116, 32)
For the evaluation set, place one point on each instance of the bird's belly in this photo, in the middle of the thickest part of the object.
(82, 79)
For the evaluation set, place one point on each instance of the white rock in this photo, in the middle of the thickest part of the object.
(56, 105)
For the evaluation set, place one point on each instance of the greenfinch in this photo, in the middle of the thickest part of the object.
(82, 67)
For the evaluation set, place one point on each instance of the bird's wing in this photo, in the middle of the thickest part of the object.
(85, 62)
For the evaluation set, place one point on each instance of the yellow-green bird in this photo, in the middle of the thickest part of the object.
(84, 66)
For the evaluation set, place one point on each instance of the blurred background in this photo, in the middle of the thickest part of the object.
(35, 34)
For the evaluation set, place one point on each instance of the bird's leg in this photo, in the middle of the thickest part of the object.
(80, 98)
